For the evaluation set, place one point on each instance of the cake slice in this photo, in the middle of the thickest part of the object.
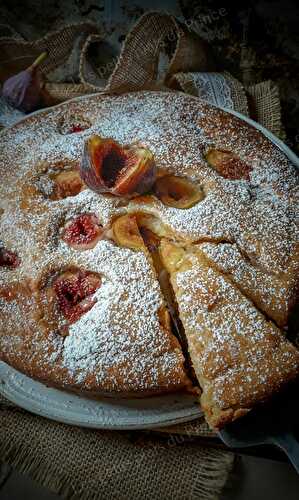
(275, 294)
(239, 357)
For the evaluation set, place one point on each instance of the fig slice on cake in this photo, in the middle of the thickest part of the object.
(8, 258)
(108, 167)
(126, 232)
(73, 291)
(178, 192)
(83, 231)
(66, 183)
(228, 164)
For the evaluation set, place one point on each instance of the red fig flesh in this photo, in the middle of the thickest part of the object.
(74, 291)
(75, 129)
(107, 167)
(83, 232)
(8, 259)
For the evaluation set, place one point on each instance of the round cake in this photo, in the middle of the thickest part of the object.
(93, 286)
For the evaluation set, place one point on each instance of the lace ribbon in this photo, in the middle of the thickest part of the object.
(214, 88)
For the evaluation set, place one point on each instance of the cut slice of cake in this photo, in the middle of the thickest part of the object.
(240, 358)
(274, 294)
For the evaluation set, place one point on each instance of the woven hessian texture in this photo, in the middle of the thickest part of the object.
(88, 464)
(137, 65)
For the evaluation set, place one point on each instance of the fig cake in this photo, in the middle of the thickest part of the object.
(123, 216)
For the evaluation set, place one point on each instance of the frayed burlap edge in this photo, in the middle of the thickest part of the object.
(137, 64)
(264, 103)
(58, 43)
(215, 469)
(89, 464)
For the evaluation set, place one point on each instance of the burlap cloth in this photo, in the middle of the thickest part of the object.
(87, 464)
(159, 52)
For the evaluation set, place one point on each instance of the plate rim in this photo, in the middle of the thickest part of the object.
(34, 406)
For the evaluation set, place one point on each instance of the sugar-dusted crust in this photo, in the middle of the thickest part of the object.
(119, 346)
(239, 357)
(274, 294)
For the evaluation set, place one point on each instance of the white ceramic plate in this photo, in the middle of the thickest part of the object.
(108, 413)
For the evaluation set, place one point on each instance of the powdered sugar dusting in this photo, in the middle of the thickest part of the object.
(274, 295)
(119, 341)
(238, 355)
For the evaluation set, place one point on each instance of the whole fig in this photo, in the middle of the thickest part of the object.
(24, 90)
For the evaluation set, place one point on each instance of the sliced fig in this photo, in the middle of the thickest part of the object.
(66, 183)
(228, 165)
(151, 240)
(107, 167)
(8, 258)
(83, 232)
(126, 232)
(73, 291)
(177, 192)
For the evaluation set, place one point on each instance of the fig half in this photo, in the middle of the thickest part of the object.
(126, 232)
(74, 290)
(83, 232)
(228, 165)
(107, 167)
(178, 192)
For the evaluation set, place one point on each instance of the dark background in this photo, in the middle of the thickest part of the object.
(268, 30)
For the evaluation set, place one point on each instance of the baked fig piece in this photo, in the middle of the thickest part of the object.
(8, 259)
(83, 232)
(177, 192)
(126, 232)
(107, 167)
(72, 124)
(75, 129)
(228, 165)
(66, 183)
(73, 292)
